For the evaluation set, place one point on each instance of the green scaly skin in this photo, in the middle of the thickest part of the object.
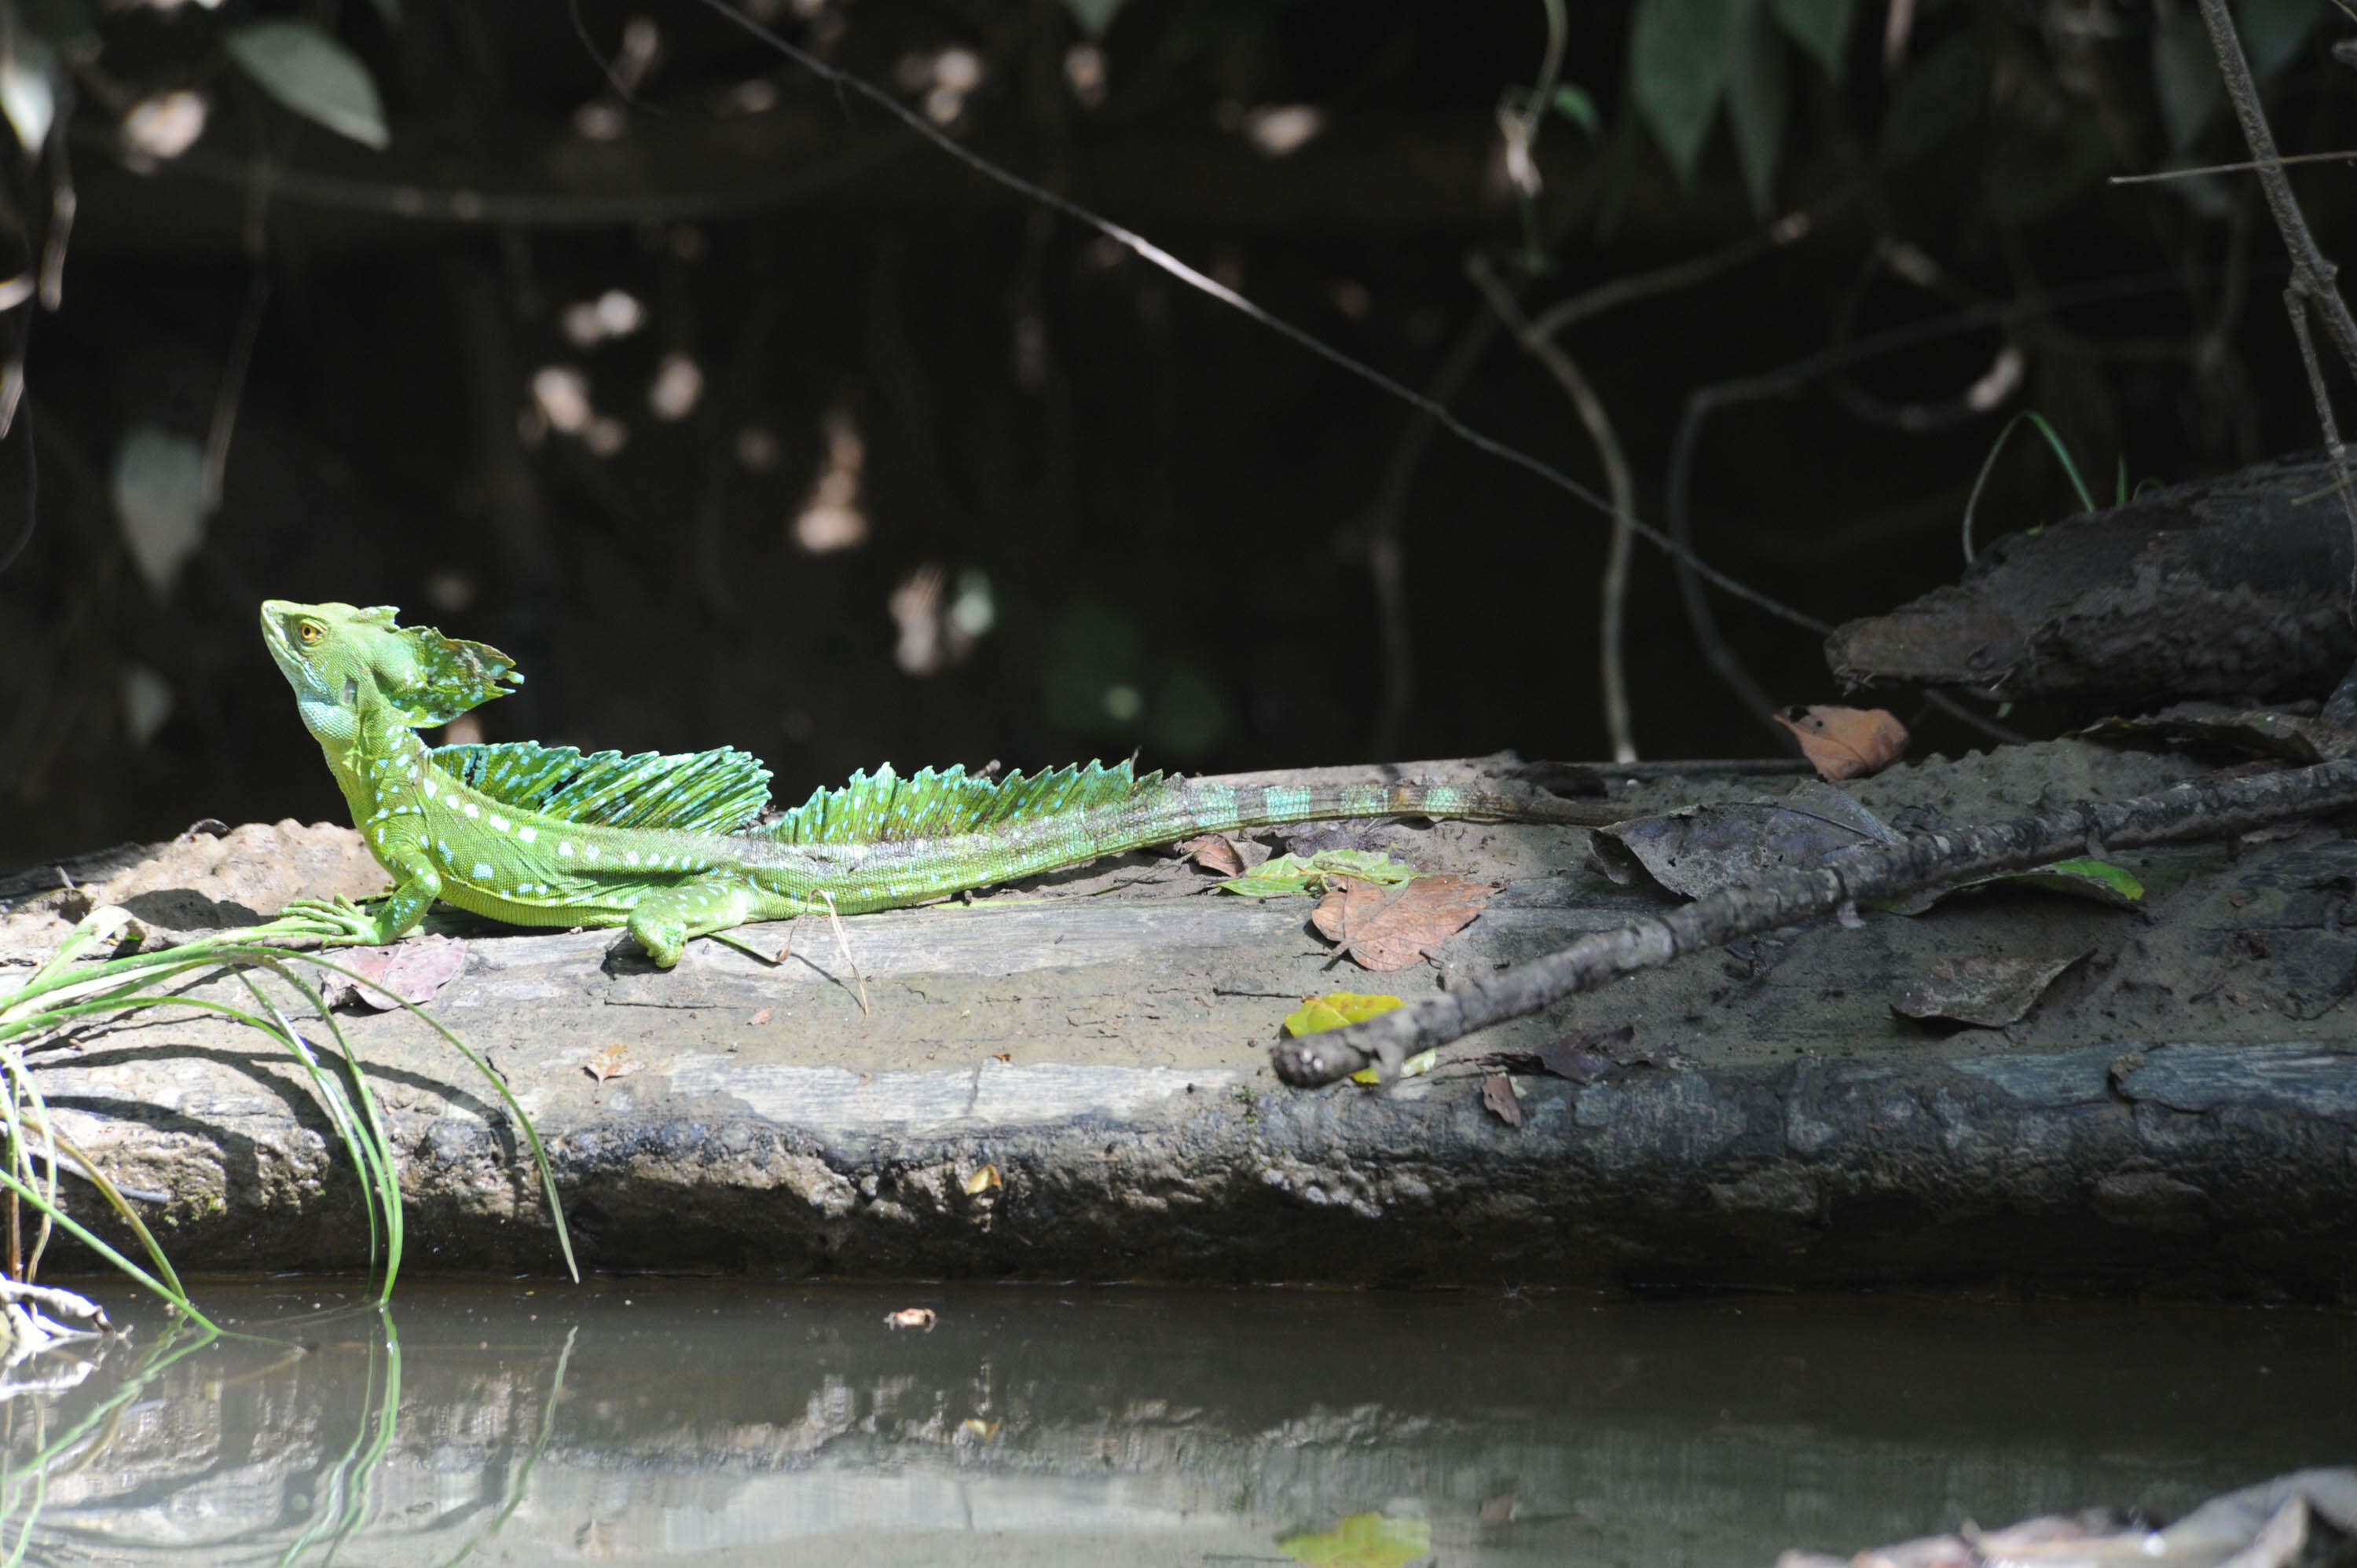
(366, 685)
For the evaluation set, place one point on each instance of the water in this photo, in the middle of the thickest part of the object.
(646, 1422)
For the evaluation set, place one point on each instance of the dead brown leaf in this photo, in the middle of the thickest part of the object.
(411, 972)
(763, 1017)
(1216, 853)
(1498, 1094)
(1392, 928)
(611, 1062)
(1846, 743)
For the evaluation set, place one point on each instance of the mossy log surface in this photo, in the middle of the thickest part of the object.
(2179, 1110)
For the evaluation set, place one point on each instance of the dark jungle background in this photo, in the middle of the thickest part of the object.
(739, 415)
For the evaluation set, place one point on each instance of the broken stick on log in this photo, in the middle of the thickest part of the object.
(1870, 874)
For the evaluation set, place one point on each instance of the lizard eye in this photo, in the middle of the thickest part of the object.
(310, 632)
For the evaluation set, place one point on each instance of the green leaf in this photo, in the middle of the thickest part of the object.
(161, 500)
(28, 91)
(1678, 65)
(2273, 31)
(1093, 15)
(1319, 1014)
(1362, 1541)
(1290, 874)
(2086, 877)
(1756, 102)
(1820, 27)
(314, 75)
(1575, 105)
(2184, 74)
(2098, 880)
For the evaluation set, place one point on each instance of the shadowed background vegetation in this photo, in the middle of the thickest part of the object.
(737, 413)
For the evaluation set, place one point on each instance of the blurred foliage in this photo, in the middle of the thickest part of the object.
(739, 415)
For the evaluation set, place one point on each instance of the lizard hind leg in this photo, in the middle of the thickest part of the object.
(667, 919)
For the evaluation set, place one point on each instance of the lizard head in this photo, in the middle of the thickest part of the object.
(343, 662)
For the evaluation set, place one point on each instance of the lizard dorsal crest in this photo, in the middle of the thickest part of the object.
(700, 791)
(881, 807)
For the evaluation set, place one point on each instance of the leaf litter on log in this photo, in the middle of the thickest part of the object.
(1990, 993)
(1391, 931)
(1846, 743)
(1700, 850)
(413, 971)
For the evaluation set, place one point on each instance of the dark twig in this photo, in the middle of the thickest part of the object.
(2311, 286)
(1788, 380)
(1619, 729)
(1382, 530)
(232, 383)
(1869, 874)
(2159, 175)
(1203, 283)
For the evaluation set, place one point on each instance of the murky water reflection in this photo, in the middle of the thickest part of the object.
(646, 1422)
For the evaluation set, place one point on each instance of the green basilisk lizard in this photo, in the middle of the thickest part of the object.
(673, 847)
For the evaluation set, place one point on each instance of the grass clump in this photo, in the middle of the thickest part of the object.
(73, 988)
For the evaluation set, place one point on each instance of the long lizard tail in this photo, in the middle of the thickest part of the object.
(883, 841)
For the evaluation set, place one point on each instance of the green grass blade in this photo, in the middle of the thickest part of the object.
(388, 1414)
(2062, 454)
(75, 1228)
(499, 1087)
(372, 1152)
(532, 1456)
(122, 1207)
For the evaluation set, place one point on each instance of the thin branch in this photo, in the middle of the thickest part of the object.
(1156, 256)
(2312, 286)
(1790, 379)
(1626, 290)
(1382, 527)
(2230, 168)
(464, 205)
(1868, 874)
(232, 384)
(1597, 423)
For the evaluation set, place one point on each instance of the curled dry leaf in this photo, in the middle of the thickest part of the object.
(411, 972)
(1498, 1094)
(1698, 850)
(1388, 931)
(982, 1181)
(613, 1061)
(763, 1017)
(1846, 743)
(1215, 852)
(912, 1317)
(1990, 993)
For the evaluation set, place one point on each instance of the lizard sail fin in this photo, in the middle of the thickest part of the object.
(700, 791)
(883, 806)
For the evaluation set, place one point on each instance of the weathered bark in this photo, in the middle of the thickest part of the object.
(2229, 588)
(2176, 1113)
(1869, 874)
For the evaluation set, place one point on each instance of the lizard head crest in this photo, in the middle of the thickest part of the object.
(342, 660)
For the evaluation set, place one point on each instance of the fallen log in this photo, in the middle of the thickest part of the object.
(2234, 589)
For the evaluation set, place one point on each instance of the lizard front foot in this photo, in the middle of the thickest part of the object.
(338, 922)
